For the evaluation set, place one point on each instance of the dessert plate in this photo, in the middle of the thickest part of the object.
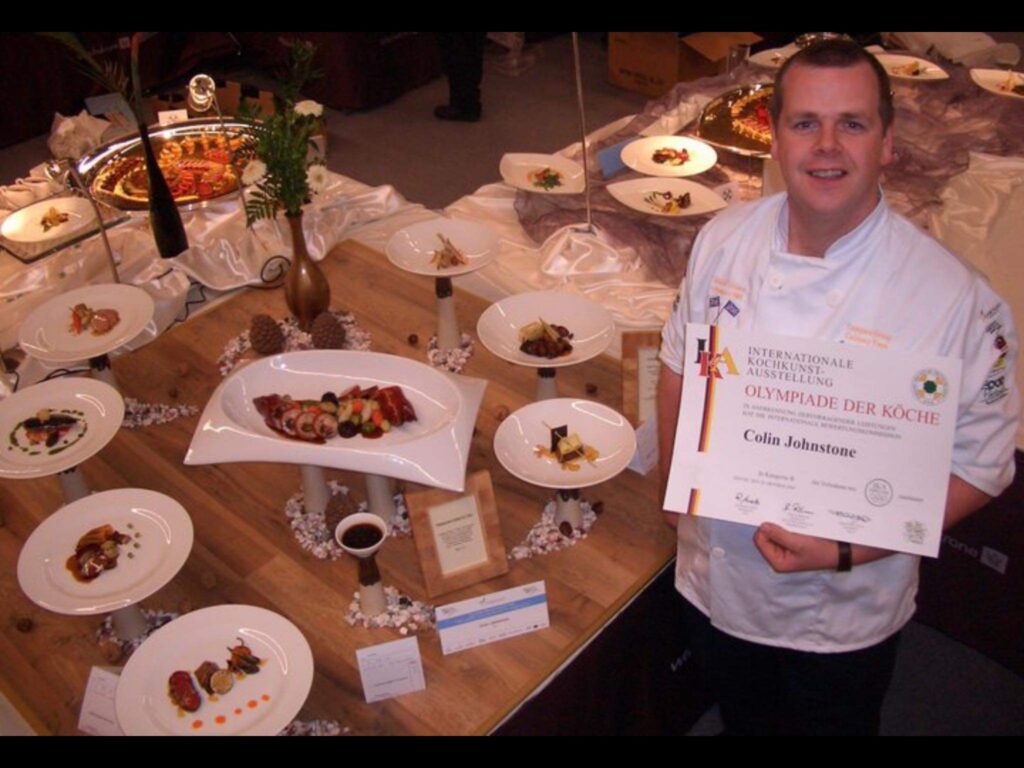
(997, 80)
(660, 197)
(26, 224)
(260, 704)
(433, 450)
(639, 155)
(98, 406)
(517, 438)
(161, 532)
(526, 171)
(413, 248)
(591, 325)
(901, 66)
(47, 335)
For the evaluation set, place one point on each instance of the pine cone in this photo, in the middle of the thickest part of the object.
(265, 335)
(328, 332)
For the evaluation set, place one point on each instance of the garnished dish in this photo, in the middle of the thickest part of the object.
(448, 255)
(545, 178)
(567, 449)
(97, 551)
(198, 167)
(666, 202)
(53, 218)
(370, 412)
(213, 679)
(910, 69)
(1012, 84)
(50, 430)
(98, 321)
(750, 116)
(542, 339)
(670, 156)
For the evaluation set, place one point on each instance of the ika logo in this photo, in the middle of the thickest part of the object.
(710, 364)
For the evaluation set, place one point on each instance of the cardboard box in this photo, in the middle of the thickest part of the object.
(652, 62)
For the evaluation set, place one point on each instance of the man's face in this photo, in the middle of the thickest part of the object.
(830, 144)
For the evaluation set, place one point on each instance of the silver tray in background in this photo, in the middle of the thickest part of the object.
(715, 124)
(92, 163)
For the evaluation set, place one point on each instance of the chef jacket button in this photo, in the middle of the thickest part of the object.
(718, 553)
(833, 298)
(775, 281)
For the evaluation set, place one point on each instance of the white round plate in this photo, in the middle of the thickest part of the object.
(773, 58)
(433, 450)
(894, 61)
(25, 225)
(633, 194)
(591, 325)
(144, 708)
(516, 167)
(46, 333)
(412, 248)
(993, 80)
(518, 436)
(637, 155)
(103, 411)
(161, 532)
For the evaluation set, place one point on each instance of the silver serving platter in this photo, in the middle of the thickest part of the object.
(90, 165)
(715, 124)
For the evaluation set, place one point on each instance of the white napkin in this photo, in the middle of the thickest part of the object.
(74, 136)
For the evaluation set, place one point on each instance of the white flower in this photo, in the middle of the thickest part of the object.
(254, 171)
(309, 107)
(316, 177)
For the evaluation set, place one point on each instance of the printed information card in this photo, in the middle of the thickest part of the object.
(390, 669)
(488, 618)
(826, 439)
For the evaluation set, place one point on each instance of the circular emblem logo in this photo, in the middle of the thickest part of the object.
(930, 386)
(878, 492)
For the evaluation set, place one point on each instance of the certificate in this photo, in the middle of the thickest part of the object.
(826, 439)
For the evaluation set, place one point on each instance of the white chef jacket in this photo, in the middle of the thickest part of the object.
(885, 284)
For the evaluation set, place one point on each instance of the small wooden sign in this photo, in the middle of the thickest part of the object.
(640, 367)
(458, 536)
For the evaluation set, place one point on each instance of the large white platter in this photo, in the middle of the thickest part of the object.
(591, 325)
(412, 248)
(432, 450)
(515, 169)
(992, 80)
(25, 225)
(637, 155)
(518, 436)
(144, 708)
(46, 332)
(893, 61)
(102, 405)
(632, 194)
(159, 526)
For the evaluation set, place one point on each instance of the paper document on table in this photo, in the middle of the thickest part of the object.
(98, 715)
(391, 669)
(833, 440)
(488, 618)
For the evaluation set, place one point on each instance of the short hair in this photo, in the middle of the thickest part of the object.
(835, 53)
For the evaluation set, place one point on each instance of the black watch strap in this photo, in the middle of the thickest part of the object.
(845, 557)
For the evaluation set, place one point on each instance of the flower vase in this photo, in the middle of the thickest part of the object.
(164, 219)
(306, 289)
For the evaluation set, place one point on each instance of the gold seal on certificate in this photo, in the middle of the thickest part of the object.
(827, 439)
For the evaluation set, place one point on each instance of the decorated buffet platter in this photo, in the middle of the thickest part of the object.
(737, 121)
(200, 161)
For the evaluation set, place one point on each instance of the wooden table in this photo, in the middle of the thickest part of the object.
(245, 552)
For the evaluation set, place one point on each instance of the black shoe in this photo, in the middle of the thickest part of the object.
(459, 114)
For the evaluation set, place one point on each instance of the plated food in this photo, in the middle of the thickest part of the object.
(105, 551)
(224, 670)
(1000, 82)
(371, 412)
(669, 156)
(672, 198)
(903, 67)
(737, 120)
(567, 449)
(53, 218)
(49, 221)
(49, 431)
(542, 174)
(465, 246)
(750, 115)
(85, 322)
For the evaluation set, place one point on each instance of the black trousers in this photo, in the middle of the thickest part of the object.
(462, 59)
(768, 691)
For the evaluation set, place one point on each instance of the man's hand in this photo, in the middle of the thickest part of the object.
(790, 552)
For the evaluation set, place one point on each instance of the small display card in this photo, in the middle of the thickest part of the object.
(493, 617)
(391, 669)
